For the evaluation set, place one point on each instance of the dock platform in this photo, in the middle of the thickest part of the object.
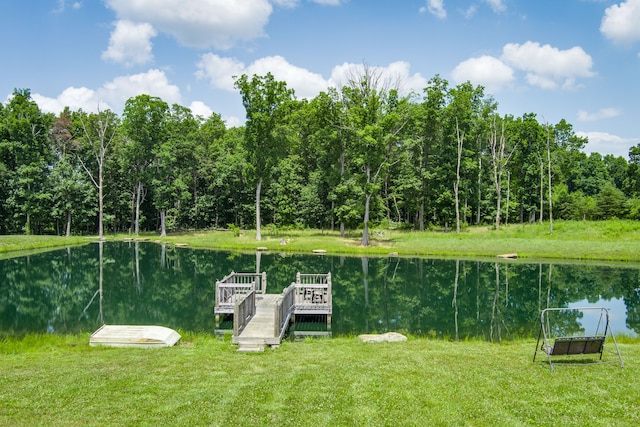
(261, 319)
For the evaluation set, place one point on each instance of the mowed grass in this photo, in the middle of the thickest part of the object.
(9, 244)
(582, 240)
(614, 240)
(49, 380)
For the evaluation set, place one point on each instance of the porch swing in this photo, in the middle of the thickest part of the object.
(574, 345)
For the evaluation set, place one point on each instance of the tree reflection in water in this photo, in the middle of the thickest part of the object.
(80, 288)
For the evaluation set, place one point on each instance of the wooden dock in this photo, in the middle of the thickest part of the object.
(261, 319)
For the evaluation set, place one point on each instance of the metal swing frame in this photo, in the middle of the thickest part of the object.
(574, 345)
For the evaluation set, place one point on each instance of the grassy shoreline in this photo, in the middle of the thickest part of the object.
(61, 380)
(614, 240)
(320, 382)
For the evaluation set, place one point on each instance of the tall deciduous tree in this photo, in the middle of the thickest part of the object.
(174, 156)
(266, 102)
(26, 154)
(499, 159)
(96, 139)
(144, 119)
(373, 119)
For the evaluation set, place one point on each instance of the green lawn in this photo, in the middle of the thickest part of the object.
(614, 240)
(583, 240)
(322, 382)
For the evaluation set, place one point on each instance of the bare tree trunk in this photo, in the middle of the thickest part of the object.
(342, 170)
(100, 200)
(68, 232)
(365, 230)
(550, 198)
(479, 188)
(163, 226)
(258, 190)
(456, 185)
(138, 198)
(506, 211)
(497, 154)
(541, 191)
(367, 202)
(497, 145)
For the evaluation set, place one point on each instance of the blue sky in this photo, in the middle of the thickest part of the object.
(572, 59)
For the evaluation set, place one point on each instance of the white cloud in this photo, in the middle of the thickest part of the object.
(113, 94)
(486, 70)
(606, 143)
(154, 82)
(604, 113)
(220, 72)
(287, 3)
(621, 22)
(395, 75)
(497, 5)
(329, 2)
(62, 6)
(72, 97)
(199, 23)
(295, 3)
(436, 8)
(199, 108)
(130, 43)
(307, 84)
(547, 66)
(470, 11)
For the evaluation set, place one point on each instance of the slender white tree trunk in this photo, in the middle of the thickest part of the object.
(68, 232)
(163, 226)
(258, 190)
(138, 197)
(456, 186)
(100, 199)
(367, 202)
(550, 199)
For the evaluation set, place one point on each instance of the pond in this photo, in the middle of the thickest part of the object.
(62, 291)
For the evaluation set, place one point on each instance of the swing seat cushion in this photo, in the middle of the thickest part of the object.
(575, 345)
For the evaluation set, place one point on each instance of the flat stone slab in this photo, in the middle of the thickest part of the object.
(319, 251)
(510, 256)
(386, 337)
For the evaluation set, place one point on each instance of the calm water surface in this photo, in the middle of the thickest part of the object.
(79, 289)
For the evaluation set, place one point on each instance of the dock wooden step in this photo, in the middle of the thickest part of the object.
(250, 347)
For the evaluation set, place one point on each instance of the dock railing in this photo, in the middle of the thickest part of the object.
(244, 309)
(284, 311)
(233, 286)
(259, 279)
(312, 294)
(228, 294)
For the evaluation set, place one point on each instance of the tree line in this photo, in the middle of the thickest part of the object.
(358, 156)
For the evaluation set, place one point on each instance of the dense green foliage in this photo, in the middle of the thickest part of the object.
(356, 157)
